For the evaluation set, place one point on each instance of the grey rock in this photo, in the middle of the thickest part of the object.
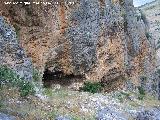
(6, 117)
(85, 35)
(63, 118)
(108, 114)
(153, 114)
(11, 54)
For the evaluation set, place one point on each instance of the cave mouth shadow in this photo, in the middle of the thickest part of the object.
(58, 77)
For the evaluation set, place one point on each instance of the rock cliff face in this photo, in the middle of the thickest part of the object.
(151, 12)
(102, 40)
(11, 54)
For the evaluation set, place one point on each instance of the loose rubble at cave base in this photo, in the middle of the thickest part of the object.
(64, 104)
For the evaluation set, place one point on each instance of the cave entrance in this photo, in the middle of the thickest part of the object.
(58, 77)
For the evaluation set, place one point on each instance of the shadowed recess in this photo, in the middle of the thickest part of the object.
(58, 77)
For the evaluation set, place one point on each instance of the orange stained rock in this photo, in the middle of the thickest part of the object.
(62, 16)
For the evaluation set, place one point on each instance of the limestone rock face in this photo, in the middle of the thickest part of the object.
(152, 114)
(11, 54)
(152, 13)
(104, 40)
(107, 114)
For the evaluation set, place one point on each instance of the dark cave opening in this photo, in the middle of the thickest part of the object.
(58, 77)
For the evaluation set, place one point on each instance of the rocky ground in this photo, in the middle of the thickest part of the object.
(62, 104)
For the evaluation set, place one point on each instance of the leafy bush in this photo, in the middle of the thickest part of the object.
(11, 79)
(91, 87)
(7, 76)
(26, 88)
(141, 93)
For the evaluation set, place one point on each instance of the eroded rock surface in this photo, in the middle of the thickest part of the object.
(104, 40)
(11, 53)
(6, 117)
(151, 12)
(153, 114)
(107, 114)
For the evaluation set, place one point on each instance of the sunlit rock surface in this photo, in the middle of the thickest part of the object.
(103, 40)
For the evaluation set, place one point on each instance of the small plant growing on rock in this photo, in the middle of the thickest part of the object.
(17, 30)
(158, 44)
(148, 35)
(141, 93)
(26, 88)
(9, 78)
(92, 87)
(158, 71)
(1, 104)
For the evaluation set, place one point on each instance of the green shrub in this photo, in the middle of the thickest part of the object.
(26, 88)
(1, 104)
(140, 97)
(158, 71)
(141, 93)
(148, 35)
(48, 92)
(141, 90)
(92, 87)
(10, 78)
(7, 76)
(17, 30)
(158, 44)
